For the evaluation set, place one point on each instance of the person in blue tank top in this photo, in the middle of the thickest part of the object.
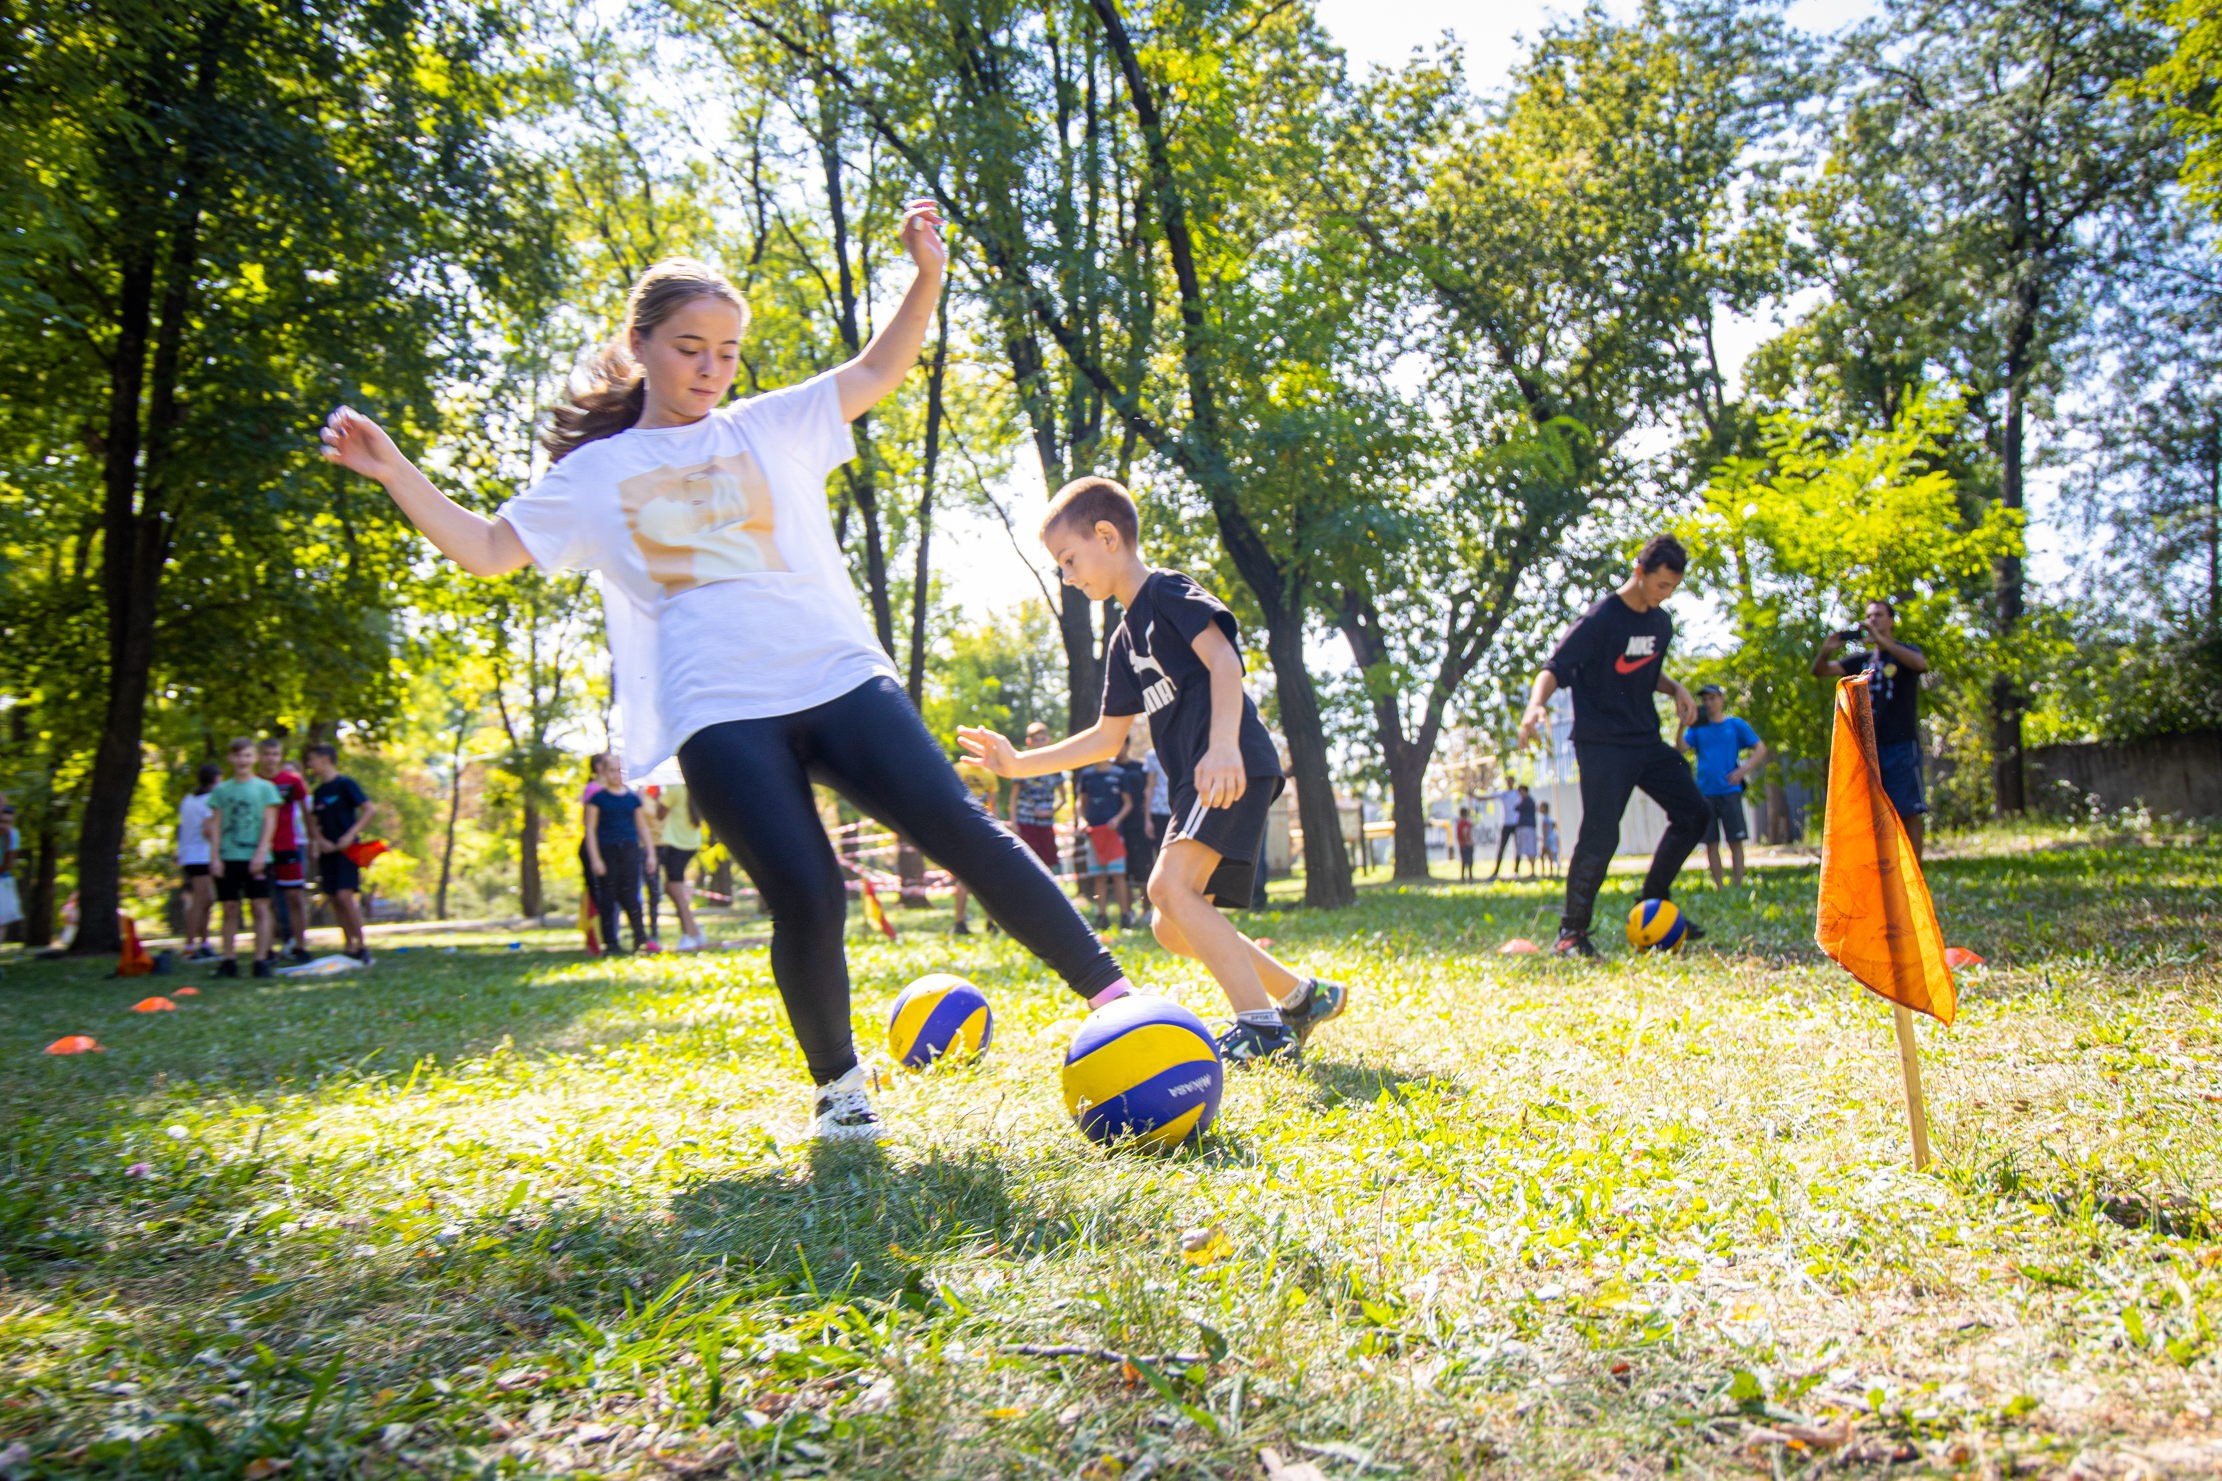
(1719, 740)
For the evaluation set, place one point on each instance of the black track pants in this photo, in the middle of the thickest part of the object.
(1609, 775)
(751, 781)
(619, 887)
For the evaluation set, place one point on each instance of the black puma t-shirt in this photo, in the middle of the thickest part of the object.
(1151, 667)
(1610, 662)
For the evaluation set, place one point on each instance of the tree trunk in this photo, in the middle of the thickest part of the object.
(447, 850)
(136, 533)
(1778, 805)
(2006, 699)
(921, 571)
(38, 906)
(1327, 883)
(1408, 802)
(528, 863)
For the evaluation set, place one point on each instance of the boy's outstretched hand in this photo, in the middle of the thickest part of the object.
(987, 748)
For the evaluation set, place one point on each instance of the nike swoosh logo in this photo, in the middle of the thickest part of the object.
(1622, 665)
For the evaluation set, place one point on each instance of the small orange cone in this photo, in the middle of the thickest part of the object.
(74, 1044)
(1960, 956)
(185, 992)
(134, 962)
(154, 1005)
(1518, 946)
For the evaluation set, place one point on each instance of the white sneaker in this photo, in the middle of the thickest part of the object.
(696, 942)
(843, 1111)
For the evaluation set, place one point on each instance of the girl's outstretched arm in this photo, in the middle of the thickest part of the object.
(894, 350)
(481, 546)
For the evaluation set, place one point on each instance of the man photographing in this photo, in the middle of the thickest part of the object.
(1894, 671)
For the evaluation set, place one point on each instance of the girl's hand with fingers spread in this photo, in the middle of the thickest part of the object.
(360, 445)
(922, 237)
(987, 747)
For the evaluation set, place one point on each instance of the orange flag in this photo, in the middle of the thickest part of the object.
(873, 912)
(134, 962)
(1876, 918)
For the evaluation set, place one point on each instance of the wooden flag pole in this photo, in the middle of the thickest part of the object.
(1909, 1060)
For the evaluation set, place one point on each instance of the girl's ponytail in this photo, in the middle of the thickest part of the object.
(615, 390)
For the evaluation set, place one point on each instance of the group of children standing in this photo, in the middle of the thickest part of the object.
(251, 836)
(634, 844)
(1526, 825)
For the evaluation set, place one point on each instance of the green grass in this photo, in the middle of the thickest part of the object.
(523, 1213)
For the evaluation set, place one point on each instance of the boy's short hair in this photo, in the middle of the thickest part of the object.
(274, 742)
(325, 749)
(1662, 550)
(1086, 502)
(206, 772)
(239, 743)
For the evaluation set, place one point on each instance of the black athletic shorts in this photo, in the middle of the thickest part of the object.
(336, 872)
(193, 872)
(239, 882)
(674, 861)
(1236, 834)
(1728, 818)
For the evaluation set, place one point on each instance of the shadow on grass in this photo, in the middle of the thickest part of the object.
(1363, 1083)
(859, 1224)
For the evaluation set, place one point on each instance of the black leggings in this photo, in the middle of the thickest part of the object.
(750, 779)
(619, 886)
(1609, 774)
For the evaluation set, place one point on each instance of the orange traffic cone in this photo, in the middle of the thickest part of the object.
(134, 962)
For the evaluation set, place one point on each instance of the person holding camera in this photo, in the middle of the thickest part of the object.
(1894, 671)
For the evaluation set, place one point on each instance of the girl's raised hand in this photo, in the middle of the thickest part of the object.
(922, 237)
(360, 445)
(987, 747)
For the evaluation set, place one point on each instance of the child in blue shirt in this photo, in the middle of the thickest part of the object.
(1718, 740)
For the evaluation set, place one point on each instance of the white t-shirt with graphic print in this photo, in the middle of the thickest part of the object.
(725, 593)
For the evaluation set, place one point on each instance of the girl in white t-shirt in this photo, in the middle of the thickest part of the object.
(735, 633)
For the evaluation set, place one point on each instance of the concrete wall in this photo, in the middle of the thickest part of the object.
(2179, 774)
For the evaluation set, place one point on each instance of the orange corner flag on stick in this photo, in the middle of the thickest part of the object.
(134, 962)
(873, 912)
(1875, 917)
(74, 1044)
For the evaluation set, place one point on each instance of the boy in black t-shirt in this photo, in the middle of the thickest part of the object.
(1612, 661)
(1894, 671)
(338, 813)
(1174, 659)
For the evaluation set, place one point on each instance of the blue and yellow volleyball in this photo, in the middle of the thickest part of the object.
(1143, 1072)
(1655, 925)
(937, 1018)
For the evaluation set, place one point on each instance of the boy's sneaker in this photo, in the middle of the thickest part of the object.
(961, 929)
(201, 954)
(1574, 944)
(1103, 920)
(267, 967)
(361, 955)
(1126, 920)
(1247, 1044)
(302, 953)
(1691, 930)
(227, 967)
(992, 926)
(843, 1111)
(1317, 1002)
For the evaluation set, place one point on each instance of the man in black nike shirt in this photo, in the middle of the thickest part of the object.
(1174, 659)
(1612, 661)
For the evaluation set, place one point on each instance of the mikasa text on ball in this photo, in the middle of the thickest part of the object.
(1656, 925)
(939, 1017)
(1143, 1068)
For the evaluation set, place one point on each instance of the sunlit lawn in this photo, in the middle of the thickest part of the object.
(523, 1213)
